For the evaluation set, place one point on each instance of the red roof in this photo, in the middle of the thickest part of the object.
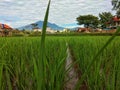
(5, 26)
(116, 18)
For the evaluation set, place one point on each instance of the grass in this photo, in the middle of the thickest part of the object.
(18, 59)
(33, 64)
(103, 72)
(96, 56)
(40, 65)
(18, 65)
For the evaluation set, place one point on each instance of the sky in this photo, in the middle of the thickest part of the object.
(17, 13)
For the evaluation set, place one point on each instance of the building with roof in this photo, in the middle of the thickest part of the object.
(5, 30)
(115, 21)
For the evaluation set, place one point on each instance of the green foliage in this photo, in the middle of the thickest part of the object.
(118, 13)
(105, 18)
(94, 60)
(116, 6)
(18, 67)
(103, 73)
(42, 63)
(20, 34)
(88, 20)
(35, 33)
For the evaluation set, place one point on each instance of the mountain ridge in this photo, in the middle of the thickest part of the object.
(39, 24)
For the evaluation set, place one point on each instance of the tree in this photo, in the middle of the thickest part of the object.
(34, 25)
(88, 20)
(116, 6)
(118, 13)
(105, 18)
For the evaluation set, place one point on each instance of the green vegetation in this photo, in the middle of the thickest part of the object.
(88, 20)
(93, 21)
(28, 63)
(105, 18)
(17, 63)
(103, 73)
(19, 54)
(42, 64)
(116, 6)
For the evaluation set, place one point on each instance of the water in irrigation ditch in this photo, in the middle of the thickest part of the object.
(72, 76)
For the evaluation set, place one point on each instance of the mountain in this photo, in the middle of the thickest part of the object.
(39, 24)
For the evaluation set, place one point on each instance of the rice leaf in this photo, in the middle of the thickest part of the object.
(42, 62)
(94, 58)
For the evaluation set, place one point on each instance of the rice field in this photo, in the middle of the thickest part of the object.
(19, 58)
(21, 66)
(104, 73)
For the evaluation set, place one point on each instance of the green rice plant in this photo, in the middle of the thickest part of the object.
(84, 49)
(56, 64)
(94, 58)
(1, 69)
(40, 68)
(34, 64)
(18, 63)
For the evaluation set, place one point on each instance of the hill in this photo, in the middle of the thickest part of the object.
(39, 24)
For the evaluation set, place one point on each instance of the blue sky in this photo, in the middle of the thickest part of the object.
(62, 12)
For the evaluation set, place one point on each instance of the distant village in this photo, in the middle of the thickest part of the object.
(6, 30)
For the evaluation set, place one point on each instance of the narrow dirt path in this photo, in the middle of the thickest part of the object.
(73, 74)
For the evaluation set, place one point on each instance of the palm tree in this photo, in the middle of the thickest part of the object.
(116, 6)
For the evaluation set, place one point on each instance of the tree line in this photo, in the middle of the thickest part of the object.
(94, 21)
(102, 20)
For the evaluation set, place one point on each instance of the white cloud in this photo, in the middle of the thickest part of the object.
(61, 11)
(7, 0)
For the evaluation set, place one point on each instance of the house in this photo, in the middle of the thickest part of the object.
(64, 31)
(5, 30)
(112, 25)
(115, 21)
(37, 30)
(48, 30)
(86, 30)
(109, 31)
